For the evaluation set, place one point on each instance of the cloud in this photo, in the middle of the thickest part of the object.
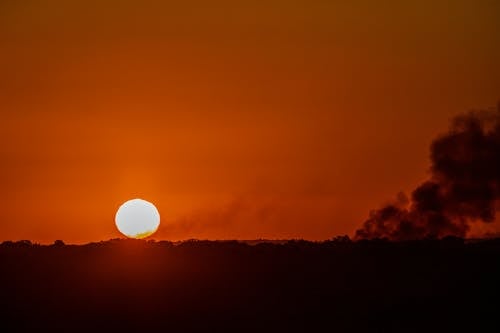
(464, 185)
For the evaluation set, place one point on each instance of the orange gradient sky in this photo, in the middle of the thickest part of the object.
(238, 119)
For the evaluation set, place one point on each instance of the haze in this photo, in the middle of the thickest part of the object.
(271, 119)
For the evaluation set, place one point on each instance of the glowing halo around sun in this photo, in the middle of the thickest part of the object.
(137, 218)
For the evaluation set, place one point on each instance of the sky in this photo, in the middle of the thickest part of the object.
(237, 119)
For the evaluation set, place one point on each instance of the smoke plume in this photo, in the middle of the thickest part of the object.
(463, 188)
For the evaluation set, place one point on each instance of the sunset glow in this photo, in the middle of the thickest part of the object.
(274, 119)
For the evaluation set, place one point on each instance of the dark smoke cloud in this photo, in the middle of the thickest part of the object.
(464, 186)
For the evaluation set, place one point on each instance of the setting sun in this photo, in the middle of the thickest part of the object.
(319, 165)
(137, 218)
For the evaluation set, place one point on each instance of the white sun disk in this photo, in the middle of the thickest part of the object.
(137, 218)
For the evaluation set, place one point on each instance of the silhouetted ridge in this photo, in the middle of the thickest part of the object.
(338, 285)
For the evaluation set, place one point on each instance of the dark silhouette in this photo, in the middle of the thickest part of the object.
(296, 286)
(464, 186)
(58, 242)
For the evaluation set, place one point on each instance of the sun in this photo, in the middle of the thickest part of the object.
(137, 218)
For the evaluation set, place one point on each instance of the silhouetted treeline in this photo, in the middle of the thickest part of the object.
(297, 286)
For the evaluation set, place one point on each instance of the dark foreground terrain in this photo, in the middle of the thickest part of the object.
(336, 286)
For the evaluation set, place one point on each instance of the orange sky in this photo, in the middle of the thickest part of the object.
(246, 119)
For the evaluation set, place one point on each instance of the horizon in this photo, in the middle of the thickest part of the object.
(249, 166)
(336, 239)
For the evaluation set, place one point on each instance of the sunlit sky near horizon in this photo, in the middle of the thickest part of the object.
(246, 119)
